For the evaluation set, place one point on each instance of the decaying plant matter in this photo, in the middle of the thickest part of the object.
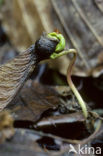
(86, 21)
(14, 73)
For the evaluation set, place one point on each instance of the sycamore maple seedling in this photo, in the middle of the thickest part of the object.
(59, 51)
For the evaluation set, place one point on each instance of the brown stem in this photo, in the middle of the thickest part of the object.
(72, 86)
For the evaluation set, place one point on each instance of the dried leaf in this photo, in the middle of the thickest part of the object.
(78, 19)
(20, 21)
(82, 22)
(33, 101)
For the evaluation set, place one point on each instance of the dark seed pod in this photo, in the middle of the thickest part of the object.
(44, 47)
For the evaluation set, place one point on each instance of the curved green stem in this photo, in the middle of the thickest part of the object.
(59, 52)
(72, 86)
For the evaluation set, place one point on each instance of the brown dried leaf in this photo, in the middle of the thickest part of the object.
(81, 22)
(20, 20)
(34, 99)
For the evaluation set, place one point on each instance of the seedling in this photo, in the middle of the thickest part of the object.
(14, 73)
(59, 51)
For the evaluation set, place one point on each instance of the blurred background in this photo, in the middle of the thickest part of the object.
(22, 22)
(81, 22)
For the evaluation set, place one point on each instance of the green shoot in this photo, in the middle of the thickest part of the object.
(59, 52)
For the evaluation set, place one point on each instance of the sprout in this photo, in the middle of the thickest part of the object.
(61, 45)
(59, 51)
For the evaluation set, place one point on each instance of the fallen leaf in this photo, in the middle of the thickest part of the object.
(76, 21)
(33, 100)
